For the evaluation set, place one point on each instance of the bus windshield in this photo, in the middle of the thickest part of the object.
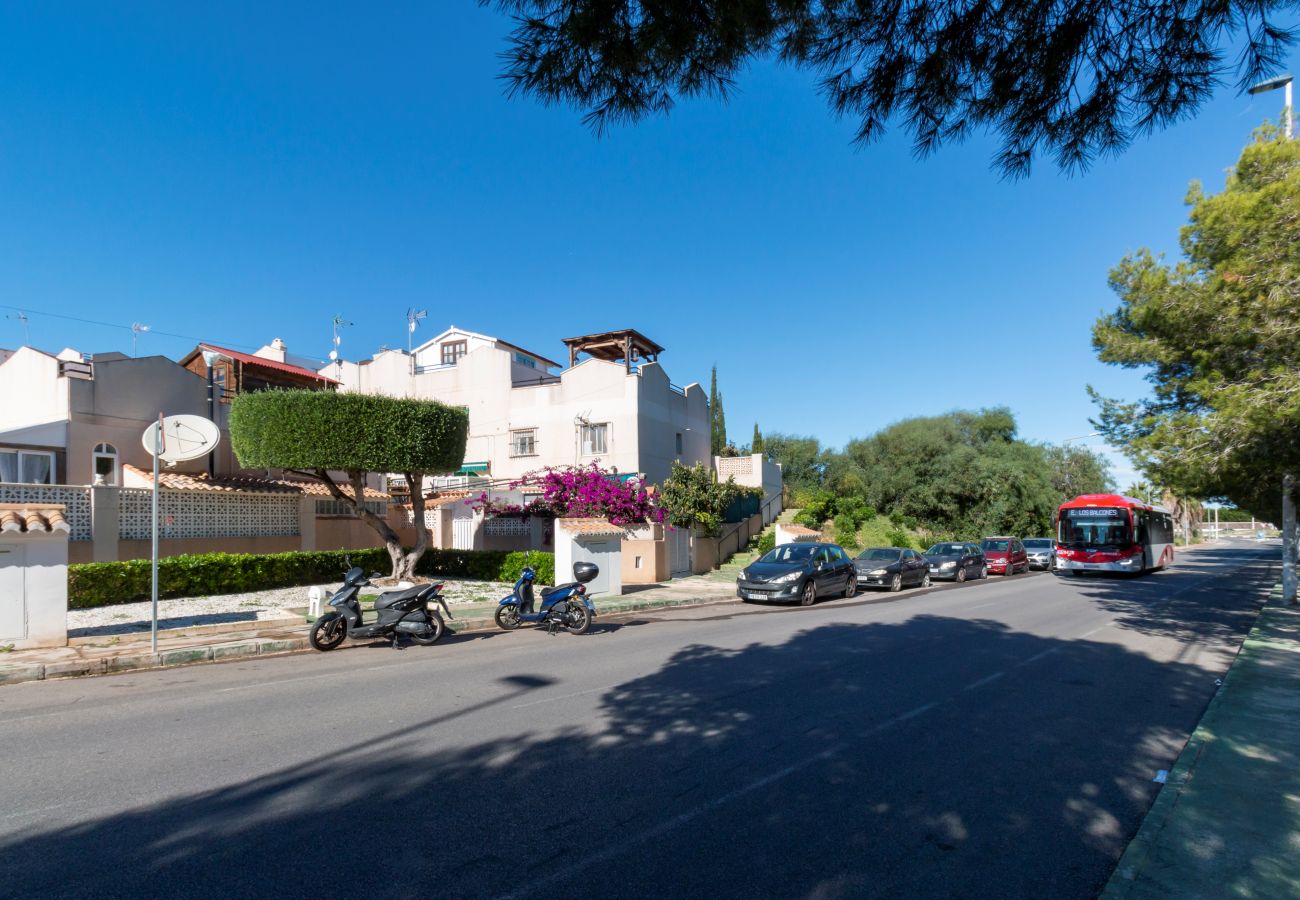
(1094, 527)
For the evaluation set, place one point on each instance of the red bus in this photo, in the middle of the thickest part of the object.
(1112, 533)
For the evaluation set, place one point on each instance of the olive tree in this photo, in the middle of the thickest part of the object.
(316, 433)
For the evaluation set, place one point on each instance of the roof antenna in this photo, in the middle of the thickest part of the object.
(413, 317)
(338, 322)
(137, 329)
(27, 332)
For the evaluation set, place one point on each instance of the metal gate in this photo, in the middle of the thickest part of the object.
(679, 551)
(13, 593)
(462, 533)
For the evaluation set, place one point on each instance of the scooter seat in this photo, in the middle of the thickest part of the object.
(394, 597)
(546, 592)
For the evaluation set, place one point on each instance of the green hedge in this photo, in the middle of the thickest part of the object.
(103, 584)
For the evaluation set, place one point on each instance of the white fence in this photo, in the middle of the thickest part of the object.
(207, 514)
(75, 501)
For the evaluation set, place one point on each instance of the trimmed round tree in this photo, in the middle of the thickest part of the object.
(316, 433)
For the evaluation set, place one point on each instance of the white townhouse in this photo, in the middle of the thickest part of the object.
(613, 405)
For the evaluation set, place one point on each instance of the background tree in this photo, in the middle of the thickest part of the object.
(803, 461)
(756, 446)
(316, 433)
(1219, 336)
(692, 497)
(1077, 470)
(1070, 79)
(717, 418)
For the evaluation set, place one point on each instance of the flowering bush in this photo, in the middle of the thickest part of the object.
(584, 492)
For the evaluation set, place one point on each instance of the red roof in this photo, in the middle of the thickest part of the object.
(249, 359)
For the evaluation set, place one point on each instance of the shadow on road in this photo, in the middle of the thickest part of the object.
(933, 757)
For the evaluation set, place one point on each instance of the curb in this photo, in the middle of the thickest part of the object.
(183, 656)
(1124, 878)
(188, 656)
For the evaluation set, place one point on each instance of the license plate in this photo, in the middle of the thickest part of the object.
(754, 595)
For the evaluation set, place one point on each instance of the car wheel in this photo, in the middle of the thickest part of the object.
(896, 583)
(961, 574)
(984, 572)
(809, 595)
(925, 582)
(851, 588)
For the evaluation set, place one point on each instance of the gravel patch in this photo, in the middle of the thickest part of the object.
(254, 606)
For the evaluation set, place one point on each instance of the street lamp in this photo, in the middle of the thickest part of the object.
(1282, 81)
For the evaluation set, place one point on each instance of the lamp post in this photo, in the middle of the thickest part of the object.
(1284, 82)
(210, 358)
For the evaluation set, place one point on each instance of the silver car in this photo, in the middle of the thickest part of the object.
(1041, 552)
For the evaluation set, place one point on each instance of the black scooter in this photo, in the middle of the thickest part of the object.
(402, 613)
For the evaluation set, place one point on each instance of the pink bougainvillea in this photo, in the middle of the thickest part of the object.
(584, 492)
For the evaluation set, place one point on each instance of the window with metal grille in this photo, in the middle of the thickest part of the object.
(595, 439)
(523, 442)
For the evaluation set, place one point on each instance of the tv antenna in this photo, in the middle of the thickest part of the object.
(413, 317)
(137, 329)
(338, 322)
(27, 332)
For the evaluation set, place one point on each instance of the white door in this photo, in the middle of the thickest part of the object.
(604, 554)
(679, 551)
(462, 534)
(13, 599)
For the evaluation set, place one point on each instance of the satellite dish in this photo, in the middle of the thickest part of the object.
(183, 437)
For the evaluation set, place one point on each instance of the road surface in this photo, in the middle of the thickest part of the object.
(997, 738)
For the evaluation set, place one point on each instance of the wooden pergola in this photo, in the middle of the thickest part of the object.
(627, 346)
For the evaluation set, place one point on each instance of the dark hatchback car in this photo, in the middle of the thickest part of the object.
(892, 568)
(956, 561)
(1005, 555)
(800, 572)
(1042, 552)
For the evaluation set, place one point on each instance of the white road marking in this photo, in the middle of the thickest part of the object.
(983, 681)
(1037, 656)
(596, 690)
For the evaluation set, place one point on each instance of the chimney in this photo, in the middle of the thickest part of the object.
(276, 350)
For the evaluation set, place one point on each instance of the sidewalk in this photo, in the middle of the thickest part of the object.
(101, 654)
(1227, 822)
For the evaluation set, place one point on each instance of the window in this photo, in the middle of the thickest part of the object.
(26, 466)
(595, 439)
(219, 379)
(679, 443)
(525, 361)
(452, 351)
(103, 463)
(524, 442)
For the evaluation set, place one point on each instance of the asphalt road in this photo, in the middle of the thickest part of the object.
(997, 738)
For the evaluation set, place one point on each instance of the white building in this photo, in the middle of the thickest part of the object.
(614, 405)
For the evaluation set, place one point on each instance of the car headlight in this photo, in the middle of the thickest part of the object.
(877, 572)
(784, 579)
(1128, 562)
(948, 565)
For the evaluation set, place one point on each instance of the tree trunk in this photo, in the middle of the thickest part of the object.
(412, 559)
(392, 543)
(1288, 540)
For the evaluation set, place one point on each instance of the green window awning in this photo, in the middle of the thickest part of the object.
(472, 468)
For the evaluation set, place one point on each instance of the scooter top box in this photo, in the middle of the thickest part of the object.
(585, 572)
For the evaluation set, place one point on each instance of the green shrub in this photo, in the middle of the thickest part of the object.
(897, 537)
(846, 531)
(766, 541)
(103, 584)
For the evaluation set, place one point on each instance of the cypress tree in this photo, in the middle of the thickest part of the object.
(757, 445)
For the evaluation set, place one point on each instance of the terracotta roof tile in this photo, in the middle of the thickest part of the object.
(249, 359)
(798, 529)
(181, 481)
(24, 519)
(590, 527)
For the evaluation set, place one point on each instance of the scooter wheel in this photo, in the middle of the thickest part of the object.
(507, 617)
(436, 630)
(577, 619)
(327, 634)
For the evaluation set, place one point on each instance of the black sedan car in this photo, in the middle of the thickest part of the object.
(892, 568)
(803, 572)
(956, 561)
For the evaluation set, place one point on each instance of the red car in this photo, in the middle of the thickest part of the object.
(1005, 555)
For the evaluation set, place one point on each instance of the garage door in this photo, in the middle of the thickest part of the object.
(679, 551)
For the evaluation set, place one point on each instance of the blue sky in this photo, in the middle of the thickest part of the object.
(242, 173)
